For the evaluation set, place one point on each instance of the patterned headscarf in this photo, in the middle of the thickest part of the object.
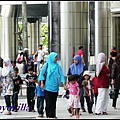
(100, 62)
(77, 68)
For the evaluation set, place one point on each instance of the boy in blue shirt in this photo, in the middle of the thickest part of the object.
(39, 94)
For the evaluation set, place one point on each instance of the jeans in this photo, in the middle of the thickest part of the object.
(40, 104)
(15, 101)
(82, 97)
(8, 102)
(25, 67)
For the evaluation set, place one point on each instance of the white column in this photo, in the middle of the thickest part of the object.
(74, 20)
(34, 34)
(102, 27)
(37, 35)
(7, 32)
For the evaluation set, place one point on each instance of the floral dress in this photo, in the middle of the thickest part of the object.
(7, 84)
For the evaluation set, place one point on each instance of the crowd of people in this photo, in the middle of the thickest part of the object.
(42, 81)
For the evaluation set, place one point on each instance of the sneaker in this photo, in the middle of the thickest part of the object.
(15, 111)
(33, 110)
(90, 112)
(40, 115)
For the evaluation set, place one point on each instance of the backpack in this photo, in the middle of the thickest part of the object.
(19, 58)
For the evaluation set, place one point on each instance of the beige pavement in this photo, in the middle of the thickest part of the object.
(62, 112)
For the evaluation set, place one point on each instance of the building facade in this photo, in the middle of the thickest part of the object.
(93, 24)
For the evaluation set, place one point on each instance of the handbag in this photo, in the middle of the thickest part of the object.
(45, 74)
(113, 94)
(67, 94)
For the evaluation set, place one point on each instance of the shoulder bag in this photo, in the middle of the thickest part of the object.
(113, 93)
(45, 74)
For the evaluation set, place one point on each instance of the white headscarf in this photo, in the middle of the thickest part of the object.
(6, 69)
(101, 59)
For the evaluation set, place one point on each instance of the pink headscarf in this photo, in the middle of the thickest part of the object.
(101, 59)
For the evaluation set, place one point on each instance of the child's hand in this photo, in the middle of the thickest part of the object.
(34, 98)
(90, 89)
(65, 87)
(77, 96)
(31, 80)
(89, 95)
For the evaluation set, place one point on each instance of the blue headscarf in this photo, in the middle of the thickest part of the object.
(77, 68)
(51, 64)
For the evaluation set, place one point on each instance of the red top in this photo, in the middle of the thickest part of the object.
(80, 52)
(103, 78)
(94, 80)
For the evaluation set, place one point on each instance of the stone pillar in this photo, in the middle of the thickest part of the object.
(37, 35)
(7, 32)
(40, 35)
(54, 27)
(30, 38)
(34, 37)
(102, 27)
(74, 20)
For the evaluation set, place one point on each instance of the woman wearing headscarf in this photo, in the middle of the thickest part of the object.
(102, 73)
(115, 75)
(78, 67)
(51, 86)
(7, 84)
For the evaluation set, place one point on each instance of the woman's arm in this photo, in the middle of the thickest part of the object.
(113, 73)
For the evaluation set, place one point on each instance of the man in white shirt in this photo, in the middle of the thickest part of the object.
(40, 57)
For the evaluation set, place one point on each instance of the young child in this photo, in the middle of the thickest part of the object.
(88, 87)
(74, 98)
(35, 63)
(17, 82)
(39, 94)
(31, 78)
(94, 80)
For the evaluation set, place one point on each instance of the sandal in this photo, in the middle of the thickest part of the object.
(8, 113)
(71, 115)
(105, 113)
(97, 113)
(78, 116)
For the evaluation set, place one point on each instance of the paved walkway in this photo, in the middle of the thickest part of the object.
(62, 112)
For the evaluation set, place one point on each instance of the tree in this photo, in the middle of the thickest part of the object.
(44, 33)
